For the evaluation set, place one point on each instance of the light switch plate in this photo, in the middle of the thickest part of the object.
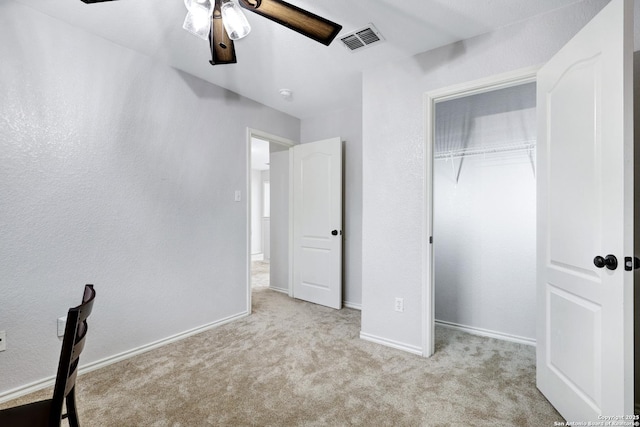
(399, 305)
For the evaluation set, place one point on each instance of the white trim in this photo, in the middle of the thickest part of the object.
(487, 333)
(27, 389)
(487, 84)
(500, 81)
(270, 137)
(354, 305)
(290, 284)
(391, 343)
(247, 194)
(428, 289)
(281, 290)
(47, 382)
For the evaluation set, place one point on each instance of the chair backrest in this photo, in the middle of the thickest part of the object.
(73, 342)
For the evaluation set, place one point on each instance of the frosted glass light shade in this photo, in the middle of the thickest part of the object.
(198, 20)
(234, 20)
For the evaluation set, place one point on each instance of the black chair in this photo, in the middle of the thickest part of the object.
(49, 412)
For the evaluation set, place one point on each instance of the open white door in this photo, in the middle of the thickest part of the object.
(317, 222)
(585, 211)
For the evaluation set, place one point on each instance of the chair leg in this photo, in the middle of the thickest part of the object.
(72, 414)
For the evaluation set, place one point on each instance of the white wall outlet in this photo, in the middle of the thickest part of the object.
(400, 304)
(238, 196)
(62, 323)
(3, 340)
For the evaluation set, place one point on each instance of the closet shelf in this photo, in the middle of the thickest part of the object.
(526, 146)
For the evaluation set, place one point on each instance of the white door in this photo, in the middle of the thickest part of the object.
(585, 210)
(317, 222)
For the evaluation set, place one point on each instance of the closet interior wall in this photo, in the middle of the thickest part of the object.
(485, 212)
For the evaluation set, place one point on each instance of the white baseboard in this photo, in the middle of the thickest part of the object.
(353, 305)
(281, 290)
(391, 343)
(26, 389)
(487, 333)
(47, 382)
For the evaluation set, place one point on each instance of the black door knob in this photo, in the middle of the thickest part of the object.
(599, 261)
(610, 261)
(334, 233)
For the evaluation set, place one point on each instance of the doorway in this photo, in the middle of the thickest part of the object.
(585, 194)
(260, 213)
(268, 227)
(472, 159)
(304, 230)
(484, 231)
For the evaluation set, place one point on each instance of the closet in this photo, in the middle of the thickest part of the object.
(484, 221)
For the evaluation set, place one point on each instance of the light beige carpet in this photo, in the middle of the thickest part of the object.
(260, 274)
(293, 363)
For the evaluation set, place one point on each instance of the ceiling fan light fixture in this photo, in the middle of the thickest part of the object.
(198, 19)
(234, 20)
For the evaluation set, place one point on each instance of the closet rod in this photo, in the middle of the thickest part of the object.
(465, 152)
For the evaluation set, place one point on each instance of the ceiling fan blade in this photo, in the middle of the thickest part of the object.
(223, 50)
(94, 1)
(311, 25)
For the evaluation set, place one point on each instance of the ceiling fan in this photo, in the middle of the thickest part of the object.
(222, 21)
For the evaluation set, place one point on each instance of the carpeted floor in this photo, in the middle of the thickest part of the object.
(293, 363)
(260, 274)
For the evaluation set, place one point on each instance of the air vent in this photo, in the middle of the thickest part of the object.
(362, 38)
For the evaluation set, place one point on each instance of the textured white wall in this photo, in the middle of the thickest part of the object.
(394, 163)
(118, 171)
(346, 124)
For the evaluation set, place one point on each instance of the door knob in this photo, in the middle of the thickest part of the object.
(334, 233)
(610, 261)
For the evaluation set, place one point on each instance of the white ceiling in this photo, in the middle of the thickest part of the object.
(273, 57)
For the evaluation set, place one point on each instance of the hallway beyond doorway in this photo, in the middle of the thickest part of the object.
(260, 274)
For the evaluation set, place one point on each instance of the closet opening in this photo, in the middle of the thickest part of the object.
(482, 210)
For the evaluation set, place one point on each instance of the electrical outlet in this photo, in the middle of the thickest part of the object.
(400, 304)
(62, 323)
(3, 340)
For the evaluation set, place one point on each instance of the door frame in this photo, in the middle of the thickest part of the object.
(284, 142)
(487, 84)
